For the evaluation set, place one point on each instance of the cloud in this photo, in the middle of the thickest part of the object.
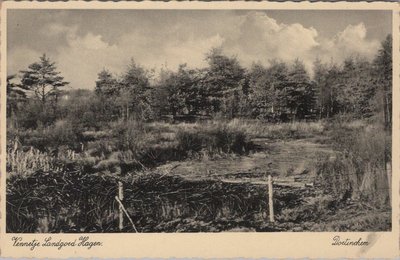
(352, 41)
(56, 29)
(261, 38)
(84, 57)
(192, 51)
(20, 58)
(88, 42)
(254, 36)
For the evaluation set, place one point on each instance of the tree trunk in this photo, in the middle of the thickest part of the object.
(388, 114)
(295, 114)
(320, 113)
(43, 95)
(127, 112)
(385, 116)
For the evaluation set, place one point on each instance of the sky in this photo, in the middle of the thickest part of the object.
(83, 42)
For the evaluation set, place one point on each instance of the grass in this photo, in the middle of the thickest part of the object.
(293, 130)
(360, 170)
(313, 210)
(252, 128)
(23, 162)
(156, 204)
(128, 149)
(360, 220)
(131, 146)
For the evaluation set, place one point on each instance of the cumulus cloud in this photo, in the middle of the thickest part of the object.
(352, 41)
(261, 38)
(84, 56)
(253, 36)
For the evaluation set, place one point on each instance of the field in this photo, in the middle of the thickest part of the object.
(207, 176)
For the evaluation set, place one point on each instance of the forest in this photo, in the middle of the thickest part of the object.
(192, 145)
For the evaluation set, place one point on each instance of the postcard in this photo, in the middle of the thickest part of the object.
(199, 129)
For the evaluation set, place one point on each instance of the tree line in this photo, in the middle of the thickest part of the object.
(223, 89)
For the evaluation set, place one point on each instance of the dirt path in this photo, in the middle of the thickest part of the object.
(288, 161)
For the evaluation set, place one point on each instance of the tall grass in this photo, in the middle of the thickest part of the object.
(294, 130)
(251, 128)
(360, 169)
(24, 162)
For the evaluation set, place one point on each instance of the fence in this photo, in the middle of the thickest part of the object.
(123, 212)
(74, 202)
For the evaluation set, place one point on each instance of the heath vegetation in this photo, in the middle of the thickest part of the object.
(171, 139)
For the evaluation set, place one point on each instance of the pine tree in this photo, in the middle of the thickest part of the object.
(299, 93)
(106, 84)
(224, 76)
(43, 79)
(135, 92)
(278, 79)
(322, 88)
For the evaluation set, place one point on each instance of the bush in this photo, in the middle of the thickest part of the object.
(223, 139)
(213, 139)
(64, 133)
(34, 115)
(129, 135)
(87, 110)
(50, 138)
(189, 141)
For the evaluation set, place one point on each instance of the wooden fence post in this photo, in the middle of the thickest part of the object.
(126, 213)
(270, 201)
(121, 212)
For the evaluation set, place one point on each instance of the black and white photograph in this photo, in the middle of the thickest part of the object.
(188, 121)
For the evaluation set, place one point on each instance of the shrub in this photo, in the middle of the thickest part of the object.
(64, 133)
(101, 148)
(189, 141)
(50, 138)
(33, 115)
(213, 139)
(223, 139)
(129, 135)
